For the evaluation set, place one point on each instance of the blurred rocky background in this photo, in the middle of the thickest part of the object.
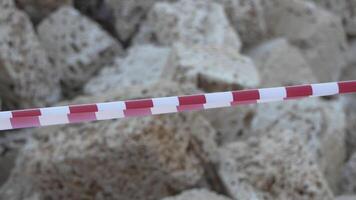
(58, 52)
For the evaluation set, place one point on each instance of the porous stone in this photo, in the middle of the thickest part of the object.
(348, 183)
(139, 158)
(247, 18)
(276, 165)
(27, 78)
(302, 23)
(77, 46)
(190, 22)
(39, 9)
(321, 123)
(197, 194)
(143, 65)
(280, 63)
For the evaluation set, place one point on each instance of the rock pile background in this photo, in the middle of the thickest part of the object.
(80, 51)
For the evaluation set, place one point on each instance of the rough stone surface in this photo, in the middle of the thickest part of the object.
(302, 23)
(280, 63)
(349, 102)
(276, 165)
(161, 155)
(197, 194)
(26, 76)
(39, 9)
(143, 65)
(190, 22)
(247, 18)
(347, 183)
(211, 68)
(77, 46)
(321, 123)
(346, 197)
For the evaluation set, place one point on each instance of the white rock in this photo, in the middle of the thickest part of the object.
(143, 65)
(276, 165)
(247, 18)
(190, 22)
(197, 194)
(317, 32)
(26, 76)
(280, 63)
(348, 183)
(322, 125)
(138, 158)
(77, 46)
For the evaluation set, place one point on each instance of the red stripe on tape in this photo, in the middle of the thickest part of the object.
(299, 91)
(25, 122)
(136, 104)
(190, 107)
(137, 112)
(246, 95)
(192, 99)
(81, 117)
(83, 108)
(26, 113)
(347, 87)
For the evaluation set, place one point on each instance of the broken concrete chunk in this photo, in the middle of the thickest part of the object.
(77, 46)
(211, 68)
(27, 78)
(322, 125)
(280, 63)
(197, 194)
(302, 23)
(189, 22)
(276, 165)
(247, 18)
(112, 159)
(143, 65)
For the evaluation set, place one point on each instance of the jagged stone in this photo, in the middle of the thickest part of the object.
(190, 22)
(140, 158)
(276, 165)
(143, 65)
(302, 23)
(322, 125)
(197, 194)
(348, 183)
(247, 18)
(279, 63)
(39, 9)
(77, 46)
(26, 76)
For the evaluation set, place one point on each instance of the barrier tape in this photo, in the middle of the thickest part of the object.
(143, 107)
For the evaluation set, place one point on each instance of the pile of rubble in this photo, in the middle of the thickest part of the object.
(69, 52)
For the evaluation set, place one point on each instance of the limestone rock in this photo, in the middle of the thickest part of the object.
(349, 102)
(197, 194)
(276, 165)
(302, 23)
(77, 46)
(143, 65)
(139, 158)
(39, 9)
(190, 22)
(211, 68)
(27, 78)
(322, 125)
(279, 63)
(348, 183)
(247, 18)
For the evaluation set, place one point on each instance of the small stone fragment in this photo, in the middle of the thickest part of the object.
(279, 63)
(190, 22)
(197, 194)
(276, 165)
(321, 123)
(143, 65)
(77, 46)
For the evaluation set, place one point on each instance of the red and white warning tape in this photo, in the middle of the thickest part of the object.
(143, 107)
